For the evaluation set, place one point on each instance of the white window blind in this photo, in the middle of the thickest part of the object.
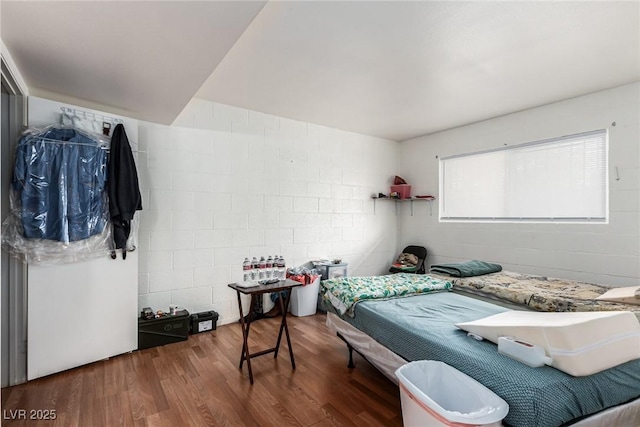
(557, 180)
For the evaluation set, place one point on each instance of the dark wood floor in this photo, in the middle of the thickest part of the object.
(198, 383)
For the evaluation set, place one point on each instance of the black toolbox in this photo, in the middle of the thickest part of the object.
(163, 330)
(202, 322)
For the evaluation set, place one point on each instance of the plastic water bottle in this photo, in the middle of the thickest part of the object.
(270, 268)
(246, 270)
(281, 267)
(276, 270)
(262, 270)
(254, 268)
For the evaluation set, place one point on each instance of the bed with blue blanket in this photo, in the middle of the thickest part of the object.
(394, 329)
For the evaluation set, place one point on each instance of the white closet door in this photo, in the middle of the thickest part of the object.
(80, 312)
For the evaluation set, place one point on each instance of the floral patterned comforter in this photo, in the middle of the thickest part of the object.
(344, 292)
(540, 292)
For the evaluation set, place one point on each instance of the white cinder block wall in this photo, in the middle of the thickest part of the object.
(225, 183)
(607, 254)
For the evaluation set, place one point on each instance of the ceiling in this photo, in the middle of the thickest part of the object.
(396, 70)
(142, 59)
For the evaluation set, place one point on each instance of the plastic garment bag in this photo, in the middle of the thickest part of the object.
(58, 196)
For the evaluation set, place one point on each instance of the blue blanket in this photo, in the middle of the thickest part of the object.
(422, 327)
(466, 269)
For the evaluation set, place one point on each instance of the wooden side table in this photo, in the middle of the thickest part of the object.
(255, 292)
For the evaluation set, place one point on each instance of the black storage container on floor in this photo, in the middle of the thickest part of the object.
(163, 330)
(202, 322)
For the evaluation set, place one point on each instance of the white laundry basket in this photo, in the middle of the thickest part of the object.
(435, 394)
(304, 299)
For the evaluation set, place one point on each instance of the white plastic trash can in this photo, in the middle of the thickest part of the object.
(304, 299)
(433, 393)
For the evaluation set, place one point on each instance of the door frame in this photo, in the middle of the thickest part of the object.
(17, 293)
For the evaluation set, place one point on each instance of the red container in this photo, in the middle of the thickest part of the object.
(403, 190)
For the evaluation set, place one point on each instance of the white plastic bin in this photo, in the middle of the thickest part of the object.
(435, 394)
(304, 299)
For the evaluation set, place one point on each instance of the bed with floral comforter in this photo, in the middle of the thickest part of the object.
(422, 327)
(343, 293)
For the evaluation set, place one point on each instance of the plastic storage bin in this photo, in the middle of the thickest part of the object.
(435, 394)
(304, 299)
(330, 271)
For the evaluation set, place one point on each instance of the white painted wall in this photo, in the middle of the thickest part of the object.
(608, 254)
(224, 183)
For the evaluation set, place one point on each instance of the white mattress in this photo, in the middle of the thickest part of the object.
(578, 343)
(378, 355)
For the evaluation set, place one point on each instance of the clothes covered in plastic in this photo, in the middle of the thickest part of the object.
(59, 208)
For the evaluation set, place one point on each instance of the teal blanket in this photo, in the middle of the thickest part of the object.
(344, 292)
(466, 269)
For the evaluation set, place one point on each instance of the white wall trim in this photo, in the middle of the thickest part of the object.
(7, 59)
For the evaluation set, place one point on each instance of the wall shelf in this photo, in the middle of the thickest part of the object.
(411, 200)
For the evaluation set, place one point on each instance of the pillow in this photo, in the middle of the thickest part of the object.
(627, 295)
(406, 259)
(579, 343)
(404, 267)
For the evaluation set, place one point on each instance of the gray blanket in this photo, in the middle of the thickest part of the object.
(466, 269)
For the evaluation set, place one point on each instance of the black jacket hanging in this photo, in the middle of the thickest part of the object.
(123, 188)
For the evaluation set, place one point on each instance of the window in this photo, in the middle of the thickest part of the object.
(556, 180)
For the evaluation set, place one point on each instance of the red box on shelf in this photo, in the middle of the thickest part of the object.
(403, 190)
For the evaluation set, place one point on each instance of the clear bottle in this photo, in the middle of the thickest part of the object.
(276, 271)
(282, 269)
(254, 268)
(262, 271)
(270, 268)
(246, 270)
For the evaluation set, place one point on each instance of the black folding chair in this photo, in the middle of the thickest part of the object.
(420, 252)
